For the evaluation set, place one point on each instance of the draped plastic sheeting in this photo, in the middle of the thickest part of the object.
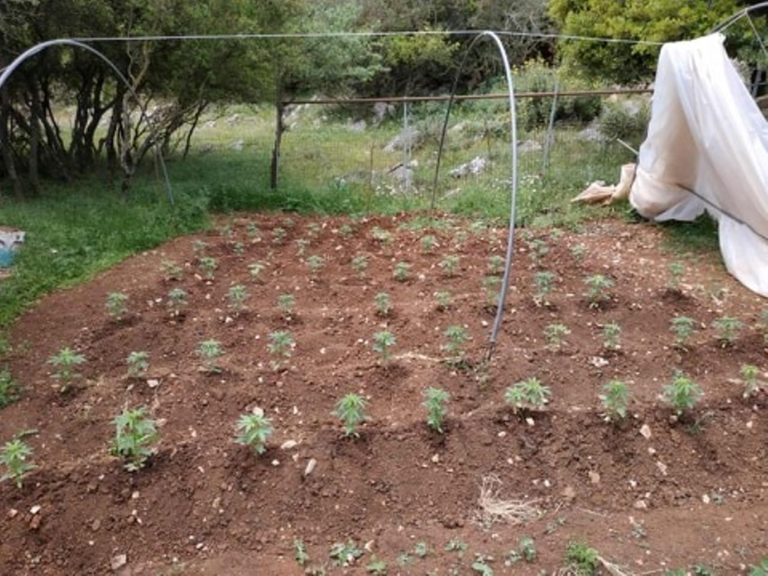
(707, 149)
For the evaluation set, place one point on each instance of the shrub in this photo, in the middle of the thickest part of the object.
(253, 430)
(138, 364)
(9, 389)
(612, 336)
(237, 295)
(15, 456)
(597, 289)
(728, 329)
(382, 342)
(116, 305)
(619, 121)
(65, 362)
(351, 411)
(134, 435)
(555, 335)
(383, 303)
(210, 351)
(528, 394)
(435, 400)
(615, 400)
(682, 394)
(683, 328)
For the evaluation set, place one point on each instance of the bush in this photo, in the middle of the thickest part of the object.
(627, 121)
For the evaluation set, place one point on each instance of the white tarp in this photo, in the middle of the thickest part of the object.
(708, 136)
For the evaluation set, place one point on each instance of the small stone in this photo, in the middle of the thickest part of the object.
(275, 462)
(598, 361)
(436, 458)
(750, 424)
(705, 498)
(662, 467)
(569, 492)
(594, 477)
(258, 411)
(135, 495)
(502, 434)
(645, 431)
(288, 445)
(310, 467)
(118, 562)
(95, 525)
(641, 505)
(153, 382)
(34, 524)
(35, 509)
(12, 513)
(530, 421)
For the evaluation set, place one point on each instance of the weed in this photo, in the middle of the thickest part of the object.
(615, 400)
(315, 264)
(346, 230)
(208, 266)
(528, 394)
(300, 552)
(682, 394)
(581, 559)
(682, 327)
(360, 264)
(435, 400)
(116, 305)
(760, 569)
(281, 346)
(598, 287)
(383, 303)
(543, 282)
(199, 247)
(377, 567)
(495, 265)
(491, 288)
(701, 570)
(134, 435)
(65, 362)
(404, 559)
(177, 299)
(421, 549)
(380, 235)
(253, 429)
(237, 295)
(252, 230)
(612, 336)
(555, 335)
(382, 342)
(579, 251)
(238, 248)
(482, 566)
(457, 546)
(278, 235)
(171, 270)
(539, 249)
(675, 272)
(9, 389)
(443, 299)
(526, 551)
(450, 264)
(351, 411)
(728, 329)
(428, 243)
(302, 244)
(210, 351)
(455, 338)
(138, 364)
(401, 271)
(255, 269)
(749, 374)
(286, 303)
(15, 456)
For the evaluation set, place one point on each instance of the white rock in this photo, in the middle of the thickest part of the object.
(310, 467)
(35, 509)
(288, 445)
(645, 431)
(118, 562)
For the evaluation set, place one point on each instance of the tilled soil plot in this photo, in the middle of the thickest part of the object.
(650, 493)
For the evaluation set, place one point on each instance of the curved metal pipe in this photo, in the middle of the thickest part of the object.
(731, 20)
(513, 186)
(37, 48)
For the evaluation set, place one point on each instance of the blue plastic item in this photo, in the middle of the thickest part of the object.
(6, 257)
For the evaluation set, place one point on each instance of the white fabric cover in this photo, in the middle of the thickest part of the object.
(707, 134)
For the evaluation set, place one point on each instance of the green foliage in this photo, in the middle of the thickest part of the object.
(749, 374)
(727, 329)
(421, 549)
(286, 303)
(435, 400)
(482, 566)
(496, 265)
(116, 305)
(683, 328)
(9, 388)
(615, 400)
(255, 269)
(237, 295)
(598, 287)
(177, 300)
(377, 567)
(528, 394)
(279, 235)
(761, 569)
(581, 559)
(281, 344)
(428, 243)
(315, 264)
(456, 545)
(300, 552)
(208, 266)
(620, 121)
(555, 335)
(383, 303)
(491, 286)
(351, 411)
(612, 336)
(455, 338)
(210, 351)
(543, 282)
(171, 270)
(539, 248)
(65, 362)
(138, 364)
(15, 456)
(401, 271)
(380, 235)
(526, 551)
(382, 342)
(360, 264)
(682, 394)
(345, 553)
(450, 265)
(135, 433)
(579, 251)
(199, 247)
(253, 430)
(675, 271)
(443, 299)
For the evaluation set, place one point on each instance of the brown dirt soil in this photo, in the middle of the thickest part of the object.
(693, 492)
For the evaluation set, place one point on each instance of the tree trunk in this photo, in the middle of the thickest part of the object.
(274, 169)
(5, 145)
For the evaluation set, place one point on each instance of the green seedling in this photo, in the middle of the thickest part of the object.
(177, 300)
(15, 456)
(612, 336)
(749, 374)
(380, 235)
(300, 553)
(199, 247)
(345, 553)
(443, 299)
(478, 227)
(135, 433)
(255, 269)
(281, 346)
(382, 342)
(315, 264)
(526, 551)
(728, 329)
(65, 362)
(539, 249)
(491, 285)
(286, 303)
(313, 229)
(171, 270)
(760, 569)
(528, 394)
(346, 230)
(278, 235)
(598, 287)
(435, 400)
(226, 231)
(495, 265)
(208, 266)
(301, 246)
(9, 388)
(675, 272)
(377, 567)
(383, 303)
(450, 265)
(555, 335)
(252, 230)
(116, 305)
(238, 248)
(579, 251)
(253, 429)
(288, 223)
(351, 411)
(236, 296)
(615, 400)
(543, 282)
(402, 271)
(428, 243)
(682, 394)
(482, 566)
(582, 559)
(209, 352)
(138, 364)
(455, 338)
(421, 549)
(682, 327)
(457, 546)
(360, 264)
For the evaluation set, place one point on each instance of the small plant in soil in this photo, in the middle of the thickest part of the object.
(579, 251)
(443, 299)
(171, 270)
(683, 328)
(313, 230)
(543, 282)
(539, 249)
(528, 394)
(598, 287)
(675, 272)
(15, 457)
(380, 235)
(495, 265)
(315, 264)
(421, 549)
(525, 551)
(253, 429)
(177, 300)
(117, 305)
(236, 297)
(682, 394)
(555, 335)
(345, 553)
(382, 342)
(401, 271)
(138, 364)
(377, 567)
(9, 388)
(252, 231)
(435, 400)
(135, 433)
(199, 247)
(351, 411)
(428, 243)
(760, 569)
(65, 362)
(238, 248)
(210, 351)
(450, 264)
(360, 264)
(286, 303)
(255, 269)
(457, 546)
(749, 375)
(611, 336)
(455, 338)
(208, 266)
(300, 553)
(491, 285)
(581, 559)
(383, 303)
(727, 329)
(280, 345)
(615, 400)
(482, 566)
(278, 235)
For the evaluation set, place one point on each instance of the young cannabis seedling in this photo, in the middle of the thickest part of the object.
(421, 550)
(252, 231)
(495, 265)
(526, 551)
(9, 389)
(675, 271)
(683, 328)
(428, 243)
(345, 554)
(116, 305)
(210, 351)
(346, 230)
(253, 429)
(380, 235)
(65, 362)
(728, 329)
(597, 289)
(402, 271)
(455, 338)
(749, 374)
(382, 342)
(555, 335)
(435, 400)
(199, 247)
(315, 264)
(491, 286)
(377, 567)
(177, 300)
(301, 246)
(543, 282)
(238, 248)
(539, 249)
(255, 269)
(278, 235)
(236, 296)
(615, 400)
(579, 251)
(682, 394)
(443, 299)
(360, 264)
(300, 553)
(208, 266)
(612, 336)
(383, 303)
(482, 566)
(171, 270)
(313, 230)
(138, 364)
(351, 411)
(286, 303)
(528, 394)
(15, 457)
(135, 433)
(581, 559)
(280, 345)
(457, 546)
(450, 265)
